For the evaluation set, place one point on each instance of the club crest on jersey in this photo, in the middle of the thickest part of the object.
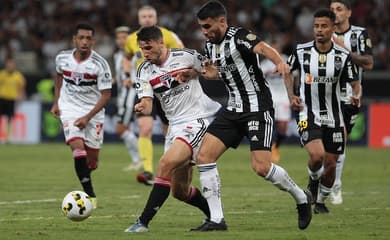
(322, 58)
(166, 80)
(76, 77)
(338, 63)
(251, 36)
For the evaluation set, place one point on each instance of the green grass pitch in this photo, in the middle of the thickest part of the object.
(35, 178)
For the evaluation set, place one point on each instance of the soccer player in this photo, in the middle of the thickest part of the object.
(12, 89)
(355, 39)
(280, 100)
(189, 112)
(234, 58)
(82, 89)
(322, 66)
(125, 101)
(147, 16)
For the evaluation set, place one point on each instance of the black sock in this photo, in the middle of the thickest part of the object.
(157, 197)
(279, 139)
(83, 173)
(199, 201)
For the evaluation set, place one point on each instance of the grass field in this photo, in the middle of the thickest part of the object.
(35, 178)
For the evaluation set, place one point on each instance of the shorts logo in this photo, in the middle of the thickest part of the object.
(253, 126)
(337, 137)
(305, 136)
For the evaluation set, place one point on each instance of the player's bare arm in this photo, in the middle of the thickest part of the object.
(57, 87)
(145, 106)
(184, 75)
(269, 52)
(356, 93)
(103, 100)
(364, 61)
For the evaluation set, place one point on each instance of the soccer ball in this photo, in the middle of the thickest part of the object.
(77, 206)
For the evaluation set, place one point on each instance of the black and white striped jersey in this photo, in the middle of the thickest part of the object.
(357, 41)
(320, 77)
(239, 68)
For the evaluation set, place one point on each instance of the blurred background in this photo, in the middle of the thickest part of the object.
(33, 32)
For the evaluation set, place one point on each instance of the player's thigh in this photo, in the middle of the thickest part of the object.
(74, 136)
(145, 125)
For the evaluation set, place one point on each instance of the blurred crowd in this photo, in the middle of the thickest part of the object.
(44, 27)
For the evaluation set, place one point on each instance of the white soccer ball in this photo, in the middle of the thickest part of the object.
(77, 206)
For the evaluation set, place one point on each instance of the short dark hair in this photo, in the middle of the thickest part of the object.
(152, 33)
(325, 12)
(346, 3)
(211, 9)
(84, 26)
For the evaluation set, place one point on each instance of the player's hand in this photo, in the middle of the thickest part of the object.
(184, 75)
(127, 83)
(55, 110)
(282, 68)
(355, 101)
(81, 123)
(209, 70)
(296, 103)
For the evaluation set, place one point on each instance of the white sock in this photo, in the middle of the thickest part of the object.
(280, 178)
(339, 171)
(323, 193)
(317, 174)
(131, 143)
(211, 188)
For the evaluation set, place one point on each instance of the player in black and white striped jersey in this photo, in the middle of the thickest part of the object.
(233, 54)
(323, 65)
(355, 39)
(125, 101)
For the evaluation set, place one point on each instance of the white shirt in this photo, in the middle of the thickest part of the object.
(180, 102)
(82, 83)
(275, 81)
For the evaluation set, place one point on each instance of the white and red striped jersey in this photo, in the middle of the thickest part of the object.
(180, 102)
(82, 83)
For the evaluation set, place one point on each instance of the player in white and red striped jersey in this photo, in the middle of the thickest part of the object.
(82, 89)
(171, 75)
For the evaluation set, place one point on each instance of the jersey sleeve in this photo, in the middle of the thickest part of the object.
(365, 45)
(58, 64)
(293, 62)
(104, 78)
(142, 85)
(246, 40)
(349, 72)
(198, 59)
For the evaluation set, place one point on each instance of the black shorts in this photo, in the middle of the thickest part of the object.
(125, 105)
(231, 127)
(333, 139)
(7, 107)
(156, 111)
(350, 114)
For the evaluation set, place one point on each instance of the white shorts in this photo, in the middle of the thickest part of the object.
(282, 111)
(191, 133)
(92, 134)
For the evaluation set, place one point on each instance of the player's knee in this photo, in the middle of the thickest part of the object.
(316, 156)
(165, 167)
